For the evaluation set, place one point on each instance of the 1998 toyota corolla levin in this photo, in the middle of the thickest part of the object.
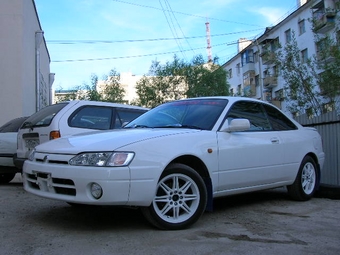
(173, 160)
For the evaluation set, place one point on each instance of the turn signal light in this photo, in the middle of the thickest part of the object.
(54, 135)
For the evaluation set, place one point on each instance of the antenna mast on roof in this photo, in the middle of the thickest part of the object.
(207, 26)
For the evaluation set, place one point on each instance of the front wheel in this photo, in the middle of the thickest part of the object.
(306, 181)
(180, 199)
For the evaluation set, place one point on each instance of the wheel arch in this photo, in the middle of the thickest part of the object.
(198, 165)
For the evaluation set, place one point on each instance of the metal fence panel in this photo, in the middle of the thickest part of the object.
(328, 125)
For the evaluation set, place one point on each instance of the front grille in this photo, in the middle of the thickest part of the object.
(44, 182)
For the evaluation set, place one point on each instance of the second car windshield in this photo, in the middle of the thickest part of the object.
(193, 113)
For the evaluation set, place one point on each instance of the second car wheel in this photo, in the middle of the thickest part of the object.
(180, 199)
(6, 178)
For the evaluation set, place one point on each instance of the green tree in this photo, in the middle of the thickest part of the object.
(300, 76)
(328, 61)
(206, 79)
(90, 92)
(108, 90)
(113, 91)
(179, 79)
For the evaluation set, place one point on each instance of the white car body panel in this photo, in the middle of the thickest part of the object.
(8, 145)
(235, 161)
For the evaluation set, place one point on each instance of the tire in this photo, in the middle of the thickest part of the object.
(6, 178)
(180, 199)
(306, 181)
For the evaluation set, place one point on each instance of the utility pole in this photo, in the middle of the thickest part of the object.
(207, 26)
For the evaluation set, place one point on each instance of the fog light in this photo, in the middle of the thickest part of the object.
(96, 190)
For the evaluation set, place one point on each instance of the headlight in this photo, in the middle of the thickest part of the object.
(102, 159)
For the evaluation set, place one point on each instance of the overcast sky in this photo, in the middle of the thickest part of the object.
(87, 37)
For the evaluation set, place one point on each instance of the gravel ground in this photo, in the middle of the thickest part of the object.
(259, 223)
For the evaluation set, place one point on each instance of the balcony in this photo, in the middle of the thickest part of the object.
(250, 90)
(270, 81)
(277, 103)
(268, 57)
(248, 67)
(325, 22)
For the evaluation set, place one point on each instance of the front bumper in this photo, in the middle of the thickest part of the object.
(18, 162)
(73, 183)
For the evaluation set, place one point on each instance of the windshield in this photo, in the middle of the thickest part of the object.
(43, 118)
(194, 113)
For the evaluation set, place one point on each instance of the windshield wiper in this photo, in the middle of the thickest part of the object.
(27, 124)
(178, 125)
(137, 126)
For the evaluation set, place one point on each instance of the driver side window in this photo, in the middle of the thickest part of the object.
(252, 111)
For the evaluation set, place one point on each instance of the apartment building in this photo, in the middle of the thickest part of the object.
(252, 72)
(24, 61)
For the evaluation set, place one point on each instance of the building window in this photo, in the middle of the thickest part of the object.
(239, 89)
(257, 80)
(304, 56)
(256, 57)
(288, 35)
(247, 57)
(275, 71)
(302, 27)
(279, 95)
(321, 48)
(338, 38)
(231, 91)
(238, 68)
(230, 73)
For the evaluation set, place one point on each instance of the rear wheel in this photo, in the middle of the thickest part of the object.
(180, 199)
(306, 180)
(6, 178)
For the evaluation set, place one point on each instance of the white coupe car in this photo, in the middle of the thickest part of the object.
(175, 159)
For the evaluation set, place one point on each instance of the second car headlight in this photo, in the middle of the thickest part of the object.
(102, 159)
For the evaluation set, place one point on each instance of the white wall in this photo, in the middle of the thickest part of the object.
(18, 24)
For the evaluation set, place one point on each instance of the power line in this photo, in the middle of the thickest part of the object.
(142, 40)
(172, 28)
(136, 56)
(187, 14)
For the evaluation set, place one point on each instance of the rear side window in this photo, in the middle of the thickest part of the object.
(251, 111)
(123, 116)
(92, 117)
(278, 120)
(44, 117)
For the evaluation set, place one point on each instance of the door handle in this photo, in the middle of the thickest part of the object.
(275, 140)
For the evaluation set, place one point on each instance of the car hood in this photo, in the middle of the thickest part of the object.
(107, 140)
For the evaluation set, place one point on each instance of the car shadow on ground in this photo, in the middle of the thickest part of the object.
(91, 218)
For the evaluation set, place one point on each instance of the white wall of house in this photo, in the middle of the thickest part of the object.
(19, 23)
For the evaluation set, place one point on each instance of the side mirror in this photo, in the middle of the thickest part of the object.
(236, 125)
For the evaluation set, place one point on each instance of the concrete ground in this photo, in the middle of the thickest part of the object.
(265, 222)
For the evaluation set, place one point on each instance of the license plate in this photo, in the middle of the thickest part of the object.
(31, 143)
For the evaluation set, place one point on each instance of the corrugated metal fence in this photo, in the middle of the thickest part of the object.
(328, 125)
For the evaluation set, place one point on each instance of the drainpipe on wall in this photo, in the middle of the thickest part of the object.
(260, 68)
(39, 35)
(51, 80)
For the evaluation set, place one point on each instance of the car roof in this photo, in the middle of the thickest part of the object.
(229, 98)
(100, 103)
